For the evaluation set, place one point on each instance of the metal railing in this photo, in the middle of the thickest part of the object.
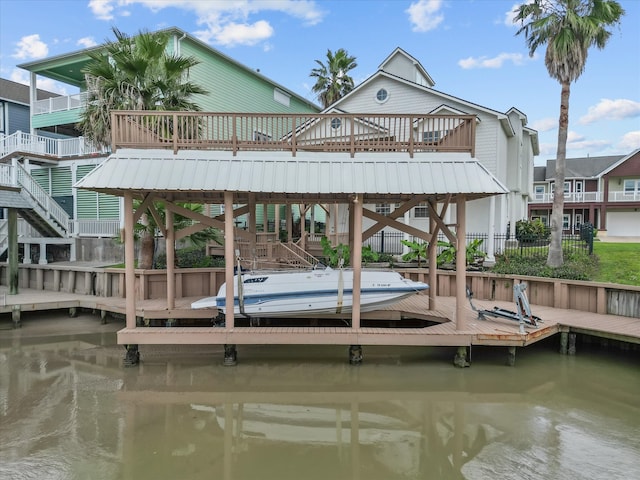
(294, 132)
(624, 196)
(60, 103)
(54, 147)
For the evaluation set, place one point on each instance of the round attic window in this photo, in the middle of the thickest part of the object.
(382, 95)
(336, 123)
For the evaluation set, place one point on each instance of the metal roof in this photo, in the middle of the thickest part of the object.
(204, 175)
(12, 198)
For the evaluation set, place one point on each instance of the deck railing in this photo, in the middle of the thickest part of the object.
(46, 146)
(294, 132)
(60, 103)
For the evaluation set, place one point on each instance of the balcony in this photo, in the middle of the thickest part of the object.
(60, 104)
(624, 196)
(350, 133)
(576, 197)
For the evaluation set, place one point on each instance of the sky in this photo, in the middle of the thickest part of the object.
(468, 47)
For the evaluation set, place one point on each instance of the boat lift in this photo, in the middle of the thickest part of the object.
(522, 314)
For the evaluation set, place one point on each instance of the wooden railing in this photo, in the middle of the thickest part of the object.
(350, 133)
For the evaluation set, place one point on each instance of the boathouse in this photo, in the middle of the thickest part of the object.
(211, 158)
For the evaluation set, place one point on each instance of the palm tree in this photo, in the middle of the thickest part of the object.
(135, 73)
(333, 82)
(147, 232)
(568, 28)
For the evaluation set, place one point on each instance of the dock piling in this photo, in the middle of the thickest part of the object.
(230, 355)
(355, 354)
(460, 359)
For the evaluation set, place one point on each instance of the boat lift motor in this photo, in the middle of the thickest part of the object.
(522, 314)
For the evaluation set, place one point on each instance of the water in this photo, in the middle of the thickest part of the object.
(68, 410)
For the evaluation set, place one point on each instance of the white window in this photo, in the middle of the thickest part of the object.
(281, 97)
(566, 221)
(631, 187)
(539, 192)
(261, 137)
(382, 95)
(383, 208)
(421, 211)
(431, 137)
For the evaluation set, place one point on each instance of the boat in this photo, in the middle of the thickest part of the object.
(311, 293)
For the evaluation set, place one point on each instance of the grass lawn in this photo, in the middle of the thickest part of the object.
(618, 262)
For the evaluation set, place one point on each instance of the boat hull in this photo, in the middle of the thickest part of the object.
(311, 293)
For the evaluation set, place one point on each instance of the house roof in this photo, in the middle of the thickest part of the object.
(324, 177)
(68, 67)
(19, 93)
(503, 118)
(416, 63)
(11, 198)
(583, 167)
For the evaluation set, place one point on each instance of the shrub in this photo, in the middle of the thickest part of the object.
(532, 231)
(576, 266)
(191, 257)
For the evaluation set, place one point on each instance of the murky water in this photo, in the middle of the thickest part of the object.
(68, 410)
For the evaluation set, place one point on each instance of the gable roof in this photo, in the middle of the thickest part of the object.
(416, 64)
(19, 93)
(583, 167)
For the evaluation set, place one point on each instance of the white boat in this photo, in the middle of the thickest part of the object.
(311, 293)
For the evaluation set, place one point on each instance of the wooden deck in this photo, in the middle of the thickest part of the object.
(378, 329)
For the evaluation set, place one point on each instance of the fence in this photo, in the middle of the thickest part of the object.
(391, 243)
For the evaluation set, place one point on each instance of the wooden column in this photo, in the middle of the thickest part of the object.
(129, 262)
(432, 252)
(461, 261)
(229, 258)
(351, 230)
(252, 226)
(356, 254)
(289, 221)
(276, 220)
(170, 245)
(12, 232)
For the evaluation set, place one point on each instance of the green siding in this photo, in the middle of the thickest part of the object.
(41, 176)
(61, 181)
(56, 118)
(233, 88)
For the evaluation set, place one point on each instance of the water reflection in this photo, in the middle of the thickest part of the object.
(69, 410)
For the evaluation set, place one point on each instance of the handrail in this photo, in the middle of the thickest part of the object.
(296, 250)
(42, 198)
(335, 132)
(40, 145)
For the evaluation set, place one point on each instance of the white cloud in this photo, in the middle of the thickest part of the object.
(86, 42)
(545, 124)
(102, 9)
(495, 62)
(608, 109)
(22, 76)
(425, 15)
(510, 15)
(31, 47)
(238, 34)
(630, 141)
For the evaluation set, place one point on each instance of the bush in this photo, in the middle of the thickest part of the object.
(531, 231)
(191, 257)
(577, 266)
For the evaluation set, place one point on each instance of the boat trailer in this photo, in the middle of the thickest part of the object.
(522, 314)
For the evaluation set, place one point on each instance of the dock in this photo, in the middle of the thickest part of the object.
(407, 323)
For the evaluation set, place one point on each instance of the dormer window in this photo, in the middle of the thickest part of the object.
(382, 95)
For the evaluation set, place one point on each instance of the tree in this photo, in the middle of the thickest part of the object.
(135, 73)
(147, 232)
(568, 28)
(333, 82)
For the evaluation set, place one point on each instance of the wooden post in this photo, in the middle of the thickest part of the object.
(12, 231)
(170, 243)
(129, 262)
(229, 258)
(252, 225)
(432, 251)
(461, 262)
(356, 254)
